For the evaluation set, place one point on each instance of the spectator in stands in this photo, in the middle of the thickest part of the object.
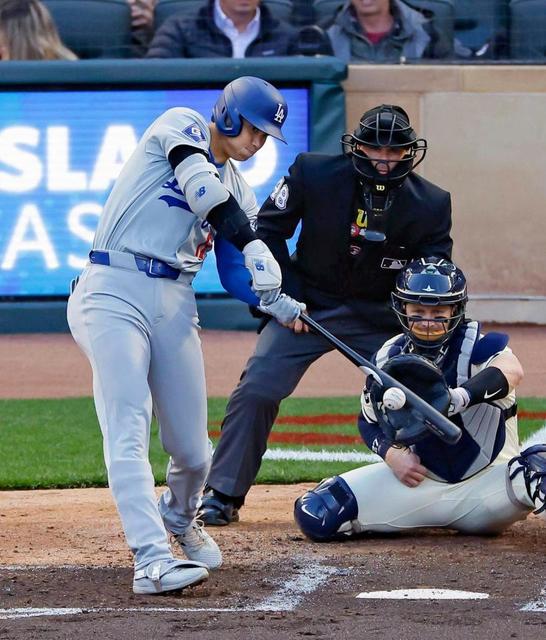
(227, 29)
(27, 32)
(385, 31)
(142, 24)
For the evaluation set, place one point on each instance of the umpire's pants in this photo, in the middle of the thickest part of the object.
(271, 374)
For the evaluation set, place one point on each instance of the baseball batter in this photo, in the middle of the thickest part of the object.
(483, 483)
(133, 313)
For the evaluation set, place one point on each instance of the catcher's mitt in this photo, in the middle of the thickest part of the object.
(406, 426)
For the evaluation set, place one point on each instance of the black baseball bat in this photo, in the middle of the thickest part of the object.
(436, 422)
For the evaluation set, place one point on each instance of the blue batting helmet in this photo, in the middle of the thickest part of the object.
(255, 100)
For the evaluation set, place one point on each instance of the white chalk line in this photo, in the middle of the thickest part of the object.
(324, 455)
(330, 455)
(287, 597)
(538, 605)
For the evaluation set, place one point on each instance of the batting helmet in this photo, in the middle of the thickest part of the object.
(430, 282)
(407, 425)
(385, 126)
(253, 99)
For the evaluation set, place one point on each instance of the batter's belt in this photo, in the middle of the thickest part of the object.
(152, 267)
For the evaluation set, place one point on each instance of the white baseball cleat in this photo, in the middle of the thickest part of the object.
(168, 575)
(197, 545)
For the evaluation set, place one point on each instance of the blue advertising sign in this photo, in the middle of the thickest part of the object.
(61, 151)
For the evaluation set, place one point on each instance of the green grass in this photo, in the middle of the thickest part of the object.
(57, 443)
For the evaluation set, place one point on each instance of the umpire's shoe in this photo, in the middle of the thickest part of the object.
(197, 545)
(168, 575)
(217, 512)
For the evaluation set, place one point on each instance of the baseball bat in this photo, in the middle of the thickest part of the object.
(436, 422)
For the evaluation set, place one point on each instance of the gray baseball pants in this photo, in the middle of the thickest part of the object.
(140, 335)
(271, 374)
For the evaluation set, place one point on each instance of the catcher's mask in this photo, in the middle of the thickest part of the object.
(386, 126)
(430, 282)
(407, 425)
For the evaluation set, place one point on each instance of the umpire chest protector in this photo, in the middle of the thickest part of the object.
(323, 192)
(483, 425)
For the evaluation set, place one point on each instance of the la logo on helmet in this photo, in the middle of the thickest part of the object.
(279, 116)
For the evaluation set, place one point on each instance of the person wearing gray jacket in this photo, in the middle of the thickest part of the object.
(385, 31)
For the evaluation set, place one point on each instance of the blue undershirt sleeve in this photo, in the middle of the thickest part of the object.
(234, 276)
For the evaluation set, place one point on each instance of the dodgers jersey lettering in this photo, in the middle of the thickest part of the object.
(147, 213)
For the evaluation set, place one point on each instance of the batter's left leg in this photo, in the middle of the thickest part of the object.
(177, 382)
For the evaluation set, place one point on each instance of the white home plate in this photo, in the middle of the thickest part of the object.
(423, 594)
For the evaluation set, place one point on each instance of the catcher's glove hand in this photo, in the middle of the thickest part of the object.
(405, 425)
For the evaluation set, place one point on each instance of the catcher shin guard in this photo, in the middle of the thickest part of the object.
(532, 463)
(322, 512)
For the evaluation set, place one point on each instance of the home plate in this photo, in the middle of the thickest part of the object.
(423, 594)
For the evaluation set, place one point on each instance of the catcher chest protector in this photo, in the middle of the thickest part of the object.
(406, 426)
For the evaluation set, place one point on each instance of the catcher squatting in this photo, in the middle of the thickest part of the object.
(480, 485)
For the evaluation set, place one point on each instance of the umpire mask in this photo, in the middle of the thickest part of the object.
(384, 150)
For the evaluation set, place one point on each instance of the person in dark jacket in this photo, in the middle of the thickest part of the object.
(226, 29)
(364, 214)
(385, 31)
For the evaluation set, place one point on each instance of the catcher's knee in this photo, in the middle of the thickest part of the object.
(326, 511)
(531, 463)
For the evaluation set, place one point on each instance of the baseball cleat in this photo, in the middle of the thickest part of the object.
(197, 545)
(168, 575)
(217, 513)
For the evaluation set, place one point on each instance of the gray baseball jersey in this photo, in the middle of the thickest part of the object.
(140, 334)
(147, 214)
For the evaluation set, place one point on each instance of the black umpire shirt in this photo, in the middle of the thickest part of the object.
(323, 192)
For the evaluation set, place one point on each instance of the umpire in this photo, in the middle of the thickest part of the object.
(364, 214)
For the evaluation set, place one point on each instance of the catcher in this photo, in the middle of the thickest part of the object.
(481, 484)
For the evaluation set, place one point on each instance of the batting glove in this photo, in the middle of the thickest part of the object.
(285, 309)
(264, 270)
(459, 400)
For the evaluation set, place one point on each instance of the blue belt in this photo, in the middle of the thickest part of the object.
(152, 267)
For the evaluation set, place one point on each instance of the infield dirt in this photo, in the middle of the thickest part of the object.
(65, 549)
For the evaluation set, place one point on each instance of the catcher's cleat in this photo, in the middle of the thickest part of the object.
(216, 512)
(197, 545)
(532, 463)
(168, 575)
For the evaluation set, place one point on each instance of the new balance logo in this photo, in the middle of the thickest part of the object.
(259, 265)
(280, 115)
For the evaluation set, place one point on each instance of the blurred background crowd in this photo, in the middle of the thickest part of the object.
(356, 31)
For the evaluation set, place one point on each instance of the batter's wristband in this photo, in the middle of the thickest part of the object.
(486, 386)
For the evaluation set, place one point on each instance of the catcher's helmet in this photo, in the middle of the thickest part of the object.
(253, 99)
(430, 282)
(385, 126)
(407, 425)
